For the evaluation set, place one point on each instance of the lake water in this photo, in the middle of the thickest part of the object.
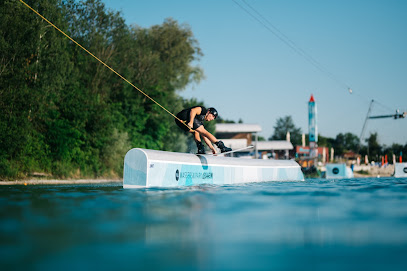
(354, 224)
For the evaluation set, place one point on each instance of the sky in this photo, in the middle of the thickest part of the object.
(264, 58)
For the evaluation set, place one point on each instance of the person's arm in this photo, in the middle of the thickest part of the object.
(194, 111)
(209, 143)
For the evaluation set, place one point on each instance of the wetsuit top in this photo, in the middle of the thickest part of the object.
(186, 115)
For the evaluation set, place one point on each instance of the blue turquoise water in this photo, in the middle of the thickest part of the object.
(354, 224)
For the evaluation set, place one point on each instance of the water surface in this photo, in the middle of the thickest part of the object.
(356, 224)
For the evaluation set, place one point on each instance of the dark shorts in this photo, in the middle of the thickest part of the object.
(197, 123)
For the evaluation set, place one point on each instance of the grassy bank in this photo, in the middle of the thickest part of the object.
(61, 182)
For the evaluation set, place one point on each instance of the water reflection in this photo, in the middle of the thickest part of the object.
(200, 227)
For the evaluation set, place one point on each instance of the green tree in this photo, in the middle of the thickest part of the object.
(345, 142)
(91, 102)
(325, 141)
(374, 148)
(219, 119)
(161, 64)
(34, 64)
(64, 112)
(284, 125)
(259, 138)
(395, 149)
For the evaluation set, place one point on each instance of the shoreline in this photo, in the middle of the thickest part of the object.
(368, 172)
(56, 182)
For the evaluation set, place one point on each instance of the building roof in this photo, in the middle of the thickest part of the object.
(237, 128)
(274, 145)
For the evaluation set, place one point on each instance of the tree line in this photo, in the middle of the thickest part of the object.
(63, 113)
(342, 143)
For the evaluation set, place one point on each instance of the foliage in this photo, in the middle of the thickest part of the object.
(259, 138)
(284, 125)
(374, 148)
(219, 119)
(64, 113)
(345, 142)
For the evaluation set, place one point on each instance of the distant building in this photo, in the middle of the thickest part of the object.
(239, 135)
(237, 131)
(303, 155)
(277, 149)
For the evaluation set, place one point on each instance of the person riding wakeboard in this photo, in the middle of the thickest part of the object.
(194, 117)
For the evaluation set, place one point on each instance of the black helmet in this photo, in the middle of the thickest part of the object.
(213, 112)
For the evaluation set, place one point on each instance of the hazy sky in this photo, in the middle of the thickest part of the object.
(266, 64)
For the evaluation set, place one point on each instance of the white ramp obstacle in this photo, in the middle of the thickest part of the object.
(400, 170)
(338, 171)
(147, 168)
